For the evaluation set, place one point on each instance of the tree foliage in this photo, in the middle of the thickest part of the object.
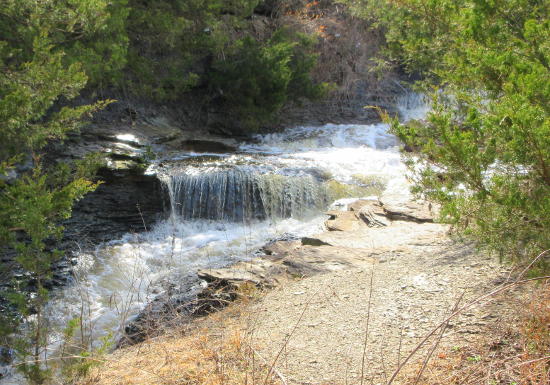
(255, 80)
(171, 42)
(89, 33)
(483, 151)
(35, 78)
(153, 50)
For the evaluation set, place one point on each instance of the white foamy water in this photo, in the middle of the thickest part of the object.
(115, 283)
(346, 150)
(120, 278)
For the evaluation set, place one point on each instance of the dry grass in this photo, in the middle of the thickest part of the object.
(535, 340)
(516, 351)
(215, 350)
(219, 349)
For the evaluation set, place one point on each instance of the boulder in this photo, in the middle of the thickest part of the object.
(373, 215)
(416, 211)
(341, 221)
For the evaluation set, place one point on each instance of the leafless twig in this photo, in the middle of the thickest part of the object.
(287, 339)
(277, 372)
(436, 344)
(470, 304)
(365, 342)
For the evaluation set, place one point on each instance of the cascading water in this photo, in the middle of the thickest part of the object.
(226, 206)
(243, 195)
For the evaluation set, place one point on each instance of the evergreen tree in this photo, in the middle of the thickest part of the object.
(256, 79)
(173, 41)
(89, 33)
(483, 151)
(34, 78)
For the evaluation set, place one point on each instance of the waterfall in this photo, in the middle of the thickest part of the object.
(413, 106)
(242, 194)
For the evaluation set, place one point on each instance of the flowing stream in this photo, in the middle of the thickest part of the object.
(226, 206)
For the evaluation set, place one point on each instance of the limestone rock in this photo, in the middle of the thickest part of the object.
(302, 262)
(419, 211)
(373, 215)
(127, 201)
(258, 271)
(280, 249)
(231, 275)
(341, 221)
(308, 261)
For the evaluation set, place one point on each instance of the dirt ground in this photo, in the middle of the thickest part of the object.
(322, 325)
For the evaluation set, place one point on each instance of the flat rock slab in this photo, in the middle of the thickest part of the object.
(355, 239)
(328, 258)
(301, 262)
(230, 275)
(341, 221)
(410, 210)
(397, 234)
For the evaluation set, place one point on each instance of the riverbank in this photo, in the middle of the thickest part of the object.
(345, 306)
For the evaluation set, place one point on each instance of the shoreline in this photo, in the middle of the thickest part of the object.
(301, 311)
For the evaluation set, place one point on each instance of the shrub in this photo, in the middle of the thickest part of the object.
(483, 150)
(256, 79)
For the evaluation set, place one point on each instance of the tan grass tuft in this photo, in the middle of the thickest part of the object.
(516, 351)
(217, 351)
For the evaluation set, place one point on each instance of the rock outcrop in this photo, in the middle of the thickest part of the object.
(351, 238)
(130, 199)
(416, 211)
(126, 201)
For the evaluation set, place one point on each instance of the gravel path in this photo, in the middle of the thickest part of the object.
(317, 326)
